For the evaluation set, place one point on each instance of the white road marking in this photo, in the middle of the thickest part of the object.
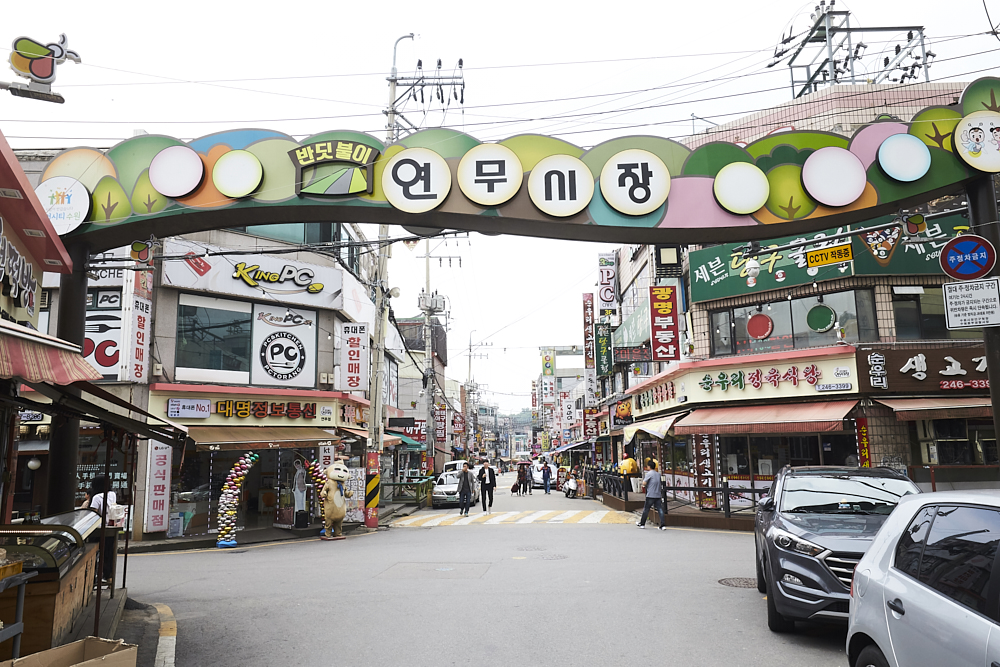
(594, 517)
(531, 517)
(436, 520)
(415, 517)
(562, 517)
(500, 517)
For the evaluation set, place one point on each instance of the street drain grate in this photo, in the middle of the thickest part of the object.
(739, 582)
(553, 557)
(531, 548)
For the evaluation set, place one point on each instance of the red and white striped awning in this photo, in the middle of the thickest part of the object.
(30, 356)
(782, 418)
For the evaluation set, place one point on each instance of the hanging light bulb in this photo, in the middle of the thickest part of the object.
(769, 306)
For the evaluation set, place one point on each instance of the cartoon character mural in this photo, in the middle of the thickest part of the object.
(334, 500)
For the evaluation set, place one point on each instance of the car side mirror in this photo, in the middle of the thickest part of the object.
(767, 504)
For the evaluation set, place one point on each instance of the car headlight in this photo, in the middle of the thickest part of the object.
(785, 540)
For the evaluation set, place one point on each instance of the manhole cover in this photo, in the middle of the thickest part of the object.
(553, 557)
(739, 582)
(531, 548)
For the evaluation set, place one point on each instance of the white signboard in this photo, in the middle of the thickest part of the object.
(283, 347)
(327, 455)
(607, 271)
(158, 488)
(189, 408)
(139, 336)
(972, 304)
(354, 361)
(255, 276)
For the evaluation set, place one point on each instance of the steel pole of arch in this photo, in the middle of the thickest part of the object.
(429, 373)
(983, 220)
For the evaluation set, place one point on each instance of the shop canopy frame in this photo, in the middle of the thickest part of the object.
(243, 438)
(766, 419)
(658, 428)
(570, 446)
(411, 444)
(952, 407)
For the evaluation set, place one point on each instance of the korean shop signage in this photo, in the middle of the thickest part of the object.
(663, 323)
(785, 379)
(243, 410)
(284, 347)
(354, 357)
(588, 331)
(253, 276)
(951, 370)
(720, 271)
(19, 281)
(607, 272)
(602, 345)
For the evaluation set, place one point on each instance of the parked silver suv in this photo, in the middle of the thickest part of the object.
(928, 590)
(811, 530)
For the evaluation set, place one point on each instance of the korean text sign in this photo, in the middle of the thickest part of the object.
(158, 487)
(354, 361)
(588, 330)
(663, 323)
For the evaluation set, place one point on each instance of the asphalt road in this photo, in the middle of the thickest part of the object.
(505, 594)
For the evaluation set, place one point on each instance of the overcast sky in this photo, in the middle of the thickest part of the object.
(585, 72)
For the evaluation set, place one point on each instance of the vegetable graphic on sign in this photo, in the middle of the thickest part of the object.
(37, 61)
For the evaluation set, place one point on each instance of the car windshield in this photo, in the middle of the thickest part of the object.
(448, 479)
(843, 495)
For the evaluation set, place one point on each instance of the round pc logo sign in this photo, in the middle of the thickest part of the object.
(282, 355)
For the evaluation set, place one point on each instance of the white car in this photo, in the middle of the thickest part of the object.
(446, 490)
(536, 475)
(924, 593)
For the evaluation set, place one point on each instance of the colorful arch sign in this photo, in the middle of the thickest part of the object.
(631, 189)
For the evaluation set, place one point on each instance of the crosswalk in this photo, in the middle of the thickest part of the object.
(453, 518)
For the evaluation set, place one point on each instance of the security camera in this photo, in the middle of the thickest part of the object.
(753, 267)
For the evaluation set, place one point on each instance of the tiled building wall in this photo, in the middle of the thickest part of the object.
(890, 438)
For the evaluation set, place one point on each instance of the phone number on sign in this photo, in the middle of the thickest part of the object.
(959, 384)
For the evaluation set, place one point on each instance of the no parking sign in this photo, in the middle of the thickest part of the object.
(968, 257)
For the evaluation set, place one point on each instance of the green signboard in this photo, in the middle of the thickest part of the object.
(720, 271)
(603, 348)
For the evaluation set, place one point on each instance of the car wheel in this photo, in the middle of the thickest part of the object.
(775, 621)
(871, 656)
(761, 582)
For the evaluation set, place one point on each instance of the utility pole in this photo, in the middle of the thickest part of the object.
(983, 219)
(455, 83)
(429, 304)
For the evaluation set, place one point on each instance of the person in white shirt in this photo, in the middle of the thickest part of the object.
(98, 492)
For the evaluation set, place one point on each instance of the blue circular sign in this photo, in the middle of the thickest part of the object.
(968, 257)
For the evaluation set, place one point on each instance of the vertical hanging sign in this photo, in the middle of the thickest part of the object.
(602, 345)
(354, 362)
(704, 457)
(158, 487)
(607, 272)
(663, 323)
(590, 423)
(549, 362)
(139, 334)
(588, 331)
(864, 442)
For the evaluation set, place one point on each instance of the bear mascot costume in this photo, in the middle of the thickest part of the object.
(334, 500)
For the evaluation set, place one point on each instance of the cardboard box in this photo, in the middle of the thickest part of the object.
(89, 652)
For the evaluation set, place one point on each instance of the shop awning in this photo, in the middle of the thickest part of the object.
(411, 444)
(958, 407)
(227, 438)
(30, 356)
(788, 418)
(654, 427)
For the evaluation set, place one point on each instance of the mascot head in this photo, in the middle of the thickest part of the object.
(338, 472)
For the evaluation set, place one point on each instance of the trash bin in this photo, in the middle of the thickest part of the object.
(302, 519)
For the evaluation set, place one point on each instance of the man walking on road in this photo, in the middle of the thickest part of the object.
(466, 484)
(654, 497)
(546, 475)
(487, 482)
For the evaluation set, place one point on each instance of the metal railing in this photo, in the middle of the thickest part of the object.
(725, 491)
(412, 492)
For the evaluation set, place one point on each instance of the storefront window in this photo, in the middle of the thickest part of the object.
(919, 315)
(853, 310)
(213, 334)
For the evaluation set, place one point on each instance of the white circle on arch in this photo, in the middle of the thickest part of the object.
(237, 173)
(834, 176)
(176, 171)
(635, 182)
(490, 174)
(561, 185)
(416, 180)
(741, 188)
(904, 157)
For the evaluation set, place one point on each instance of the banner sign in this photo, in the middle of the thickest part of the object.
(158, 487)
(704, 462)
(591, 428)
(548, 390)
(189, 408)
(141, 330)
(633, 354)
(441, 422)
(602, 343)
(864, 442)
(283, 347)
(953, 370)
(663, 323)
(623, 414)
(458, 423)
(588, 331)
(252, 275)
(549, 362)
(418, 431)
(720, 271)
(354, 361)
(607, 272)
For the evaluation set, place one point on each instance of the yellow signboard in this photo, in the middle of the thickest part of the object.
(830, 255)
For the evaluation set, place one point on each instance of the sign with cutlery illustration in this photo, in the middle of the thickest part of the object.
(117, 327)
(105, 321)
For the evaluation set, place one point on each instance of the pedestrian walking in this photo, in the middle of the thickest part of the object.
(654, 495)
(466, 485)
(487, 482)
(546, 476)
(524, 478)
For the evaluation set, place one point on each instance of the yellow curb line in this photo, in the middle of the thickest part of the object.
(182, 552)
(166, 644)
